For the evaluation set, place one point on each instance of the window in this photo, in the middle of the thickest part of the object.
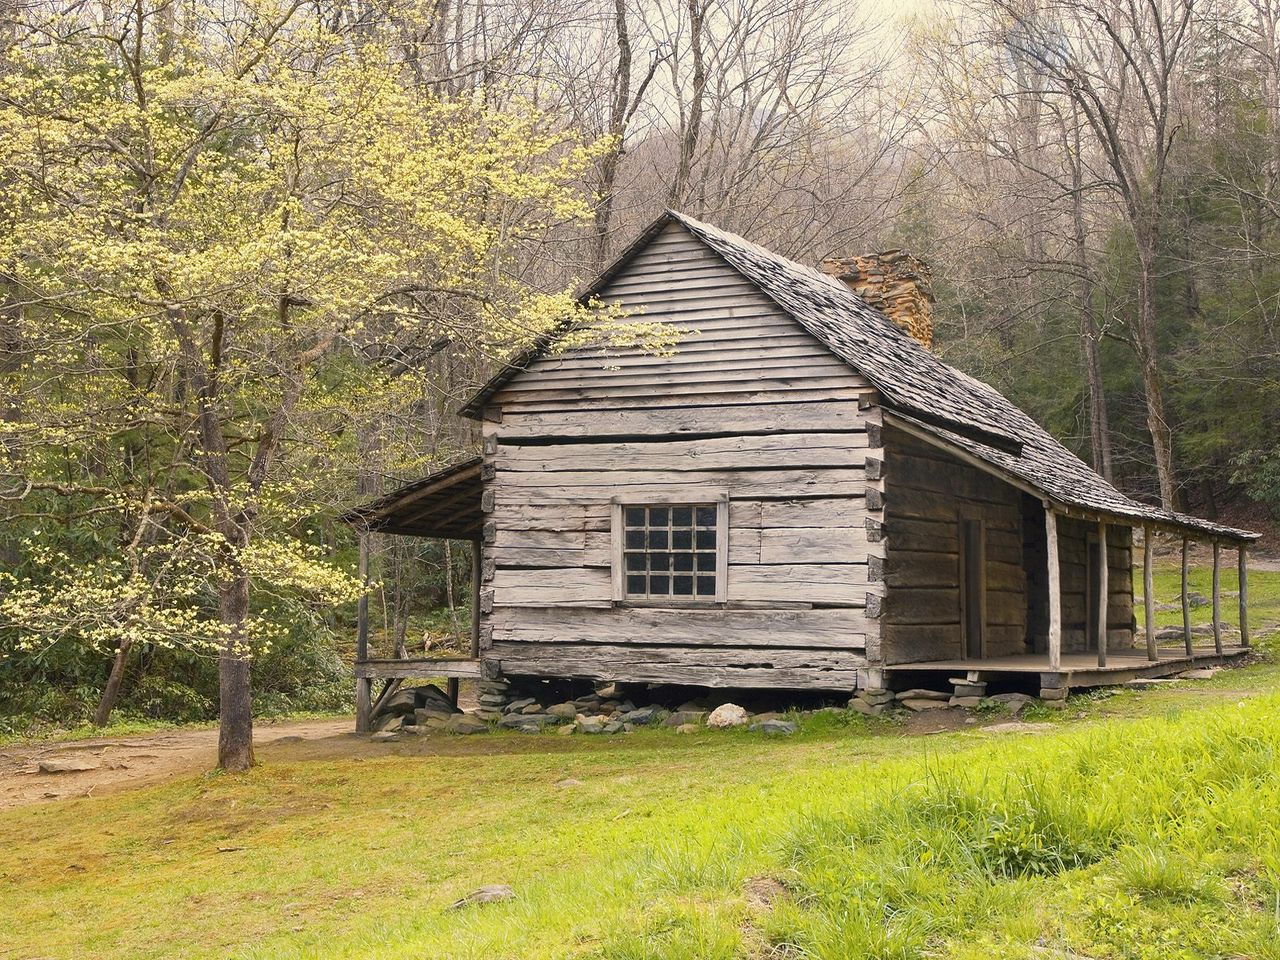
(670, 551)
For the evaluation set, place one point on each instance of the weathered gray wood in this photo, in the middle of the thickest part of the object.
(686, 365)
(1148, 594)
(1104, 569)
(848, 449)
(844, 584)
(1055, 588)
(421, 668)
(1217, 597)
(1186, 601)
(1243, 569)
(709, 666)
(845, 514)
(844, 628)
(477, 556)
(578, 485)
(772, 415)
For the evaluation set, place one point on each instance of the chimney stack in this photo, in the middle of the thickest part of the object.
(895, 283)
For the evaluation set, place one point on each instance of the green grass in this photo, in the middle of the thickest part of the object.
(1264, 594)
(1145, 830)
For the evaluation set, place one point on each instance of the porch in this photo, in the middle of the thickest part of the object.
(1072, 670)
(447, 506)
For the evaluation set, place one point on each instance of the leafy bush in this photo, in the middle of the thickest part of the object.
(158, 698)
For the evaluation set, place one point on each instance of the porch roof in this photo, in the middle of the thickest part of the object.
(444, 504)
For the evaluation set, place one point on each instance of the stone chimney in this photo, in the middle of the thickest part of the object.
(895, 283)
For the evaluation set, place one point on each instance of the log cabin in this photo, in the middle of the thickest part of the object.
(801, 494)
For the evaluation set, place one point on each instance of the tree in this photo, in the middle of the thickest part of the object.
(219, 215)
(1120, 62)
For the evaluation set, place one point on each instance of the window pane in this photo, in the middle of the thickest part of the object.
(670, 551)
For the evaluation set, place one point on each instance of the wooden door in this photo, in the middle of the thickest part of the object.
(973, 586)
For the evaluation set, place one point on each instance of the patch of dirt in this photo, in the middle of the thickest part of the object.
(764, 892)
(124, 763)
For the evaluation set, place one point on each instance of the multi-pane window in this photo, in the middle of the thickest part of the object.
(670, 551)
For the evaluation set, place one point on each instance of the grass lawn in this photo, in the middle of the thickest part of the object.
(1139, 825)
(1264, 594)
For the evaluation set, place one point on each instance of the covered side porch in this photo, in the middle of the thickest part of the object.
(445, 505)
(994, 577)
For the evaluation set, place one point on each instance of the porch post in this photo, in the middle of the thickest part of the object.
(1055, 588)
(1217, 598)
(476, 562)
(1244, 597)
(364, 685)
(1148, 588)
(1104, 588)
(1186, 603)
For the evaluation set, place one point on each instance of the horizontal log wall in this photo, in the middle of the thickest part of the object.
(1073, 540)
(926, 491)
(748, 406)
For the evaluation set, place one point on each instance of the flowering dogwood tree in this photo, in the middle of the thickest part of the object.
(213, 220)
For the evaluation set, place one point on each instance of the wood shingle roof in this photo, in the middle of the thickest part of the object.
(915, 384)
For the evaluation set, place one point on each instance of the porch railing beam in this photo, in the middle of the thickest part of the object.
(1104, 568)
(1244, 597)
(1217, 598)
(477, 559)
(1148, 593)
(1055, 587)
(364, 685)
(1186, 601)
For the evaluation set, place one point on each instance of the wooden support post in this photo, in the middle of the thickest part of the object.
(451, 689)
(1186, 601)
(1148, 589)
(477, 549)
(364, 685)
(1055, 588)
(1244, 597)
(1217, 598)
(1104, 587)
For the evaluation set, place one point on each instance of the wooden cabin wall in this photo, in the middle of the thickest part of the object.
(1073, 539)
(926, 490)
(749, 406)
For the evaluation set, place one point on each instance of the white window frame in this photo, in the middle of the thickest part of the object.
(617, 547)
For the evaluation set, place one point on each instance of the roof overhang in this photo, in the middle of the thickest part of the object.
(1142, 515)
(445, 504)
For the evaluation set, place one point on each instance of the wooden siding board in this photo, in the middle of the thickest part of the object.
(710, 666)
(782, 432)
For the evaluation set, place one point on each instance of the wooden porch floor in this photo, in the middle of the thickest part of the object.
(1081, 669)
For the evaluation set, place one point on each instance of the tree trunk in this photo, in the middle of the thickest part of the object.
(1099, 422)
(235, 703)
(610, 162)
(1152, 383)
(693, 125)
(111, 693)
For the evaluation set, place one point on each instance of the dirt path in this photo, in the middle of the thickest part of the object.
(122, 763)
